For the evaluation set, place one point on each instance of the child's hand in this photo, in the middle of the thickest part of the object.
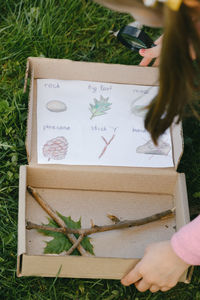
(151, 53)
(159, 269)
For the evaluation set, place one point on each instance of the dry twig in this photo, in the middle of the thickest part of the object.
(58, 220)
(96, 228)
(69, 232)
(75, 245)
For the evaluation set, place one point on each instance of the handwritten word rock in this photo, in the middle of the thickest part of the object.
(52, 85)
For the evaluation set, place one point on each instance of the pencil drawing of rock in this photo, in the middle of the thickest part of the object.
(56, 148)
(163, 148)
(56, 106)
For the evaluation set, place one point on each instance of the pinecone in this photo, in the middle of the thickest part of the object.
(56, 148)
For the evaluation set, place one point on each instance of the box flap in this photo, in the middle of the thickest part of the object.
(71, 70)
(21, 245)
(140, 180)
(177, 142)
(21, 211)
(76, 266)
(65, 69)
(182, 214)
(31, 119)
(182, 210)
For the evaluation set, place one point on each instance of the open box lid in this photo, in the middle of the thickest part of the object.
(63, 69)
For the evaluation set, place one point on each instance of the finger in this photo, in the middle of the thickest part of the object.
(192, 52)
(159, 40)
(142, 285)
(156, 62)
(150, 52)
(154, 288)
(145, 61)
(164, 289)
(132, 277)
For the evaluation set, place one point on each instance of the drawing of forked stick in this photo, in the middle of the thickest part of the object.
(107, 143)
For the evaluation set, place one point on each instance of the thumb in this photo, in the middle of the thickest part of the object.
(132, 277)
(151, 52)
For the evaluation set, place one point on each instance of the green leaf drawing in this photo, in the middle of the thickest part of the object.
(99, 107)
(60, 242)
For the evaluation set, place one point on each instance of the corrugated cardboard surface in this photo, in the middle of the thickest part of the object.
(91, 192)
(124, 247)
(103, 178)
(76, 266)
(95, 205)
(65, 69)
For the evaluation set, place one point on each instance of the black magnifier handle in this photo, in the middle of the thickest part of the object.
(134, 38)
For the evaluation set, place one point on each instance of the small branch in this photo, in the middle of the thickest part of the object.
(57, 219)
(113, 218)
(75, 245)
(95, 228)
(30, 225)
(92, 223)
(43, 203)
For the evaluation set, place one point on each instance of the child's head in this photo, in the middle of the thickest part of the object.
(178, 71)
(145, 15)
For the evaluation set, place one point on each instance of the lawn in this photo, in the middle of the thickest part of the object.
(78, 30)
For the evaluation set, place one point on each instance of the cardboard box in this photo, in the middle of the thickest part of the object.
(94, 191)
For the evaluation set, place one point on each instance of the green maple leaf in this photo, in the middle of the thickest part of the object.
(60, 242)
(99, 107)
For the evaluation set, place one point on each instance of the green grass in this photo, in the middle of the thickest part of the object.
(77, 30)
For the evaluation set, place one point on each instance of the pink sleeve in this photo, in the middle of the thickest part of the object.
(186, 242)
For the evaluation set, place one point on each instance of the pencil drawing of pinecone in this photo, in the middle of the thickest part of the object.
(56, 148)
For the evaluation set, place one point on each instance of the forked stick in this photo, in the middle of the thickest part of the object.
(51, 212)
(69, 232)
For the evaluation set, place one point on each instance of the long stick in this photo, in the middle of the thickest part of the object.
(57, 219)
(95, 228)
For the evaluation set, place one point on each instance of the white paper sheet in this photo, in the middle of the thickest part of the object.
(93, 123)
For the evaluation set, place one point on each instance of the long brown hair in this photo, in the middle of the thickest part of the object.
(178, 72)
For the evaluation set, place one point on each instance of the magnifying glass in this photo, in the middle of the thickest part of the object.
(134, 38)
